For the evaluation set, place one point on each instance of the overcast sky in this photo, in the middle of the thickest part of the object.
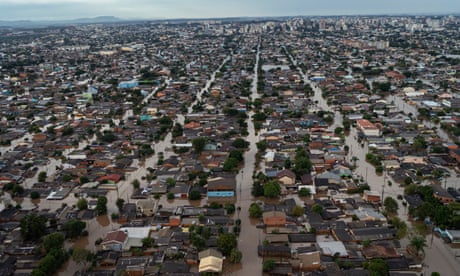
(147, 9)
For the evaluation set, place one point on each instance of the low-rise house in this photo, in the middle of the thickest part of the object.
(441, 194)
(286, 177)
(268, 250)
(221, 187)
(368, 128)
(146, 207)
(274, 218)
(372, 196)
(307, 261)
(373, 233)
(115, 240)
(211, 261)
(333, 248)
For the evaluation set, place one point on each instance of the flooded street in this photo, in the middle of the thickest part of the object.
(250, 236)
(358, 150)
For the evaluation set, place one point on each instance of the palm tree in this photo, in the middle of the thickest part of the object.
(418, 243)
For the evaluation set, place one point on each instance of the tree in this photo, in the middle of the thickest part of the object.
(230, 207)
(297, 211)
(268, 265)
(170, 196)
(401, 227)
(240, 143)
(101, 205)
(83, 180)
(255, 211)
(317, 208)
(120, 203)
(34, 195)
(391, 205)
(230, 164)
(42, 177)
(74, 228)
(226, 243)
(33, 227)
(53, 241)
(81, 255)
(378, 267)
(419, 143)
(272, 189)
(235, 256)
(418, 243)
(198, 144)
(82, 204)
(177, 130)
(194, 195)
(304, 192)
(261, 145)
(237, 154)
(257, 189)
(302, 163)
(48, 264)
(147, 242)
(136, 183)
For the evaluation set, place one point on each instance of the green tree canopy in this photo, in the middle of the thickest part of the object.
(82, 204)
(378, 267)
(272, 189)
(240, 143)
(418, 243)
(304, 192)
(120, 203)
(391, 205)
(101, 205)
(297, 211)
(42, 177)
(235, 256)
(255, 211)
(53, 241)
(198, 144)
(73, 228)
(226, 243)
(33, 226)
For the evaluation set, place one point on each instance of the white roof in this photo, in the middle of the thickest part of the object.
(210, 264)
(137, 232)
(333, 247)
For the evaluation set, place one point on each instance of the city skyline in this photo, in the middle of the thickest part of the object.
(166, 9)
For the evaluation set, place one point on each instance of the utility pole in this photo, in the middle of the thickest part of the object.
(383, 186)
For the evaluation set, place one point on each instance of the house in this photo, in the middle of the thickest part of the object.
(453, 236)
(373, 233)
(332, 248)
(441, 194)
(309, 261)
(371, 196)
(274, 218)
(115, 240)
(366, 214)
(286, 177)
(221, 187)
(135, 236)
(211, 261)
(368, 128)
(391, 164)
(146, 207)
(269, 250)
(455, 153)
(180, 190)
